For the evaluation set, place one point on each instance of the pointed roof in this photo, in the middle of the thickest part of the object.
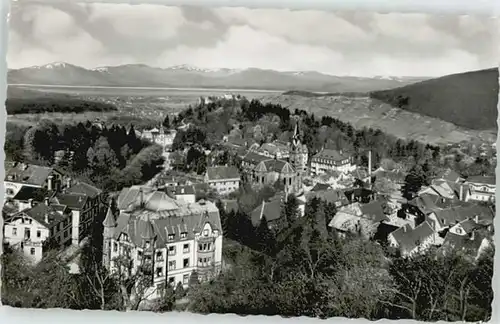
(109, 221)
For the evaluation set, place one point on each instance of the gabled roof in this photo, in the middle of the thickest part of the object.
(73, 201)
(321, 187)
(272, 165)
(408, 238)
(28, 173)
(333, 155)
(270, 209)
(222, 173)
(373, 211)
(254, 158)
(28, 192)
(330, 196)
(38, 212)
(463, 242)
(84, 189)
(189, 220)
(448, 175)
(482, 180)
(454, 215)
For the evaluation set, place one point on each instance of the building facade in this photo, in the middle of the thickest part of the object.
(331, 160)
(163, 239)
(223, 179)
(481, 189)
(20, 175)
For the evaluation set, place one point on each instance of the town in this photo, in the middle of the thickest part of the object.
(160, 218)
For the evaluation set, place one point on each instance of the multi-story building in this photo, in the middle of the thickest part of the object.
(28, 230)
(85, 202)
(223, 179)
(160, 137)
(18, 175)
(163, 239)
(331, 160)
(480, 188)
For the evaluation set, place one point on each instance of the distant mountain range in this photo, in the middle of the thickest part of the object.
(185, 76)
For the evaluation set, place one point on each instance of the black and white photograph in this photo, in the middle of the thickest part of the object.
(250, 161)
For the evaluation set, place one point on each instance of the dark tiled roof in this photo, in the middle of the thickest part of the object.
(28, 192)
(333, 155)
(39, 211)
(141, 222)
(408, 238)
(357, 193)
(448, 175)
(373, 211)
(222, 173)
(462, 242)
(482, 180)
(254, 158)
(272, 165)
(270, 209)
(330, 196)
(321, 187)
(454, 215)
(28, 173)
(110, 220)
(73, 201)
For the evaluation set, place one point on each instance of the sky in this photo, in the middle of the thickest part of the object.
(338, 43)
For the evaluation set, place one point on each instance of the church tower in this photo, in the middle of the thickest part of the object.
(109, 224)
(298, 157)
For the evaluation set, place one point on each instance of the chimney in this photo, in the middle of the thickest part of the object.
(46, 218)
(30, 202)
(47, 201)
(404, 229)
(472, 235)
(50, 183)
(461, 193)
(68, 183)
(476, 219)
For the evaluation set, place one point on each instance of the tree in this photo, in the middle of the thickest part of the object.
(414, 181)
(166, 122)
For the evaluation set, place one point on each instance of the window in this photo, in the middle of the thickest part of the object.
(159, 271)
(9, 191)
(115, 247)
(215, 232)
(27, 234)
(205, 233)
(171, 250)
(185, 263)
(185, 279)
(183, 235)
(171, 237)
(32, 251)
(139, 254)
(14, 231)
(147, 244)
(171, 265)
(159, 256)
(65, 234)
(171, 281)
(185, 248)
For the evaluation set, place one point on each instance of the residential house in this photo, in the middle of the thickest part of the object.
(336, 197)
(28, 196)
(357, 218)
(273, 150)
(331, 160)
(185, 193)
(86, 204)
(472, 245)
(449, 217)
(166, 240)
(410, 241)
(223, 179)
(30, 175)
(481, 188)
(449, 175)
(362, 195)
(28, 230)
